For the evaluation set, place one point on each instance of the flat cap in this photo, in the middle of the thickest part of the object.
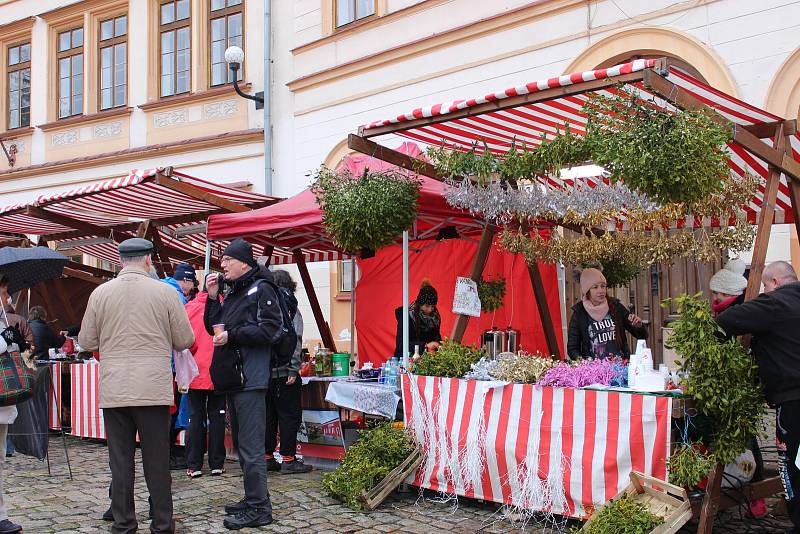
(134, 247)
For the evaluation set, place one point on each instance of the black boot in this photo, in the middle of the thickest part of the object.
(251, 517)
(235, 508)
(108, 515)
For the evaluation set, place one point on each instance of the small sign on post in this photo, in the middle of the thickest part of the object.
(465, 299)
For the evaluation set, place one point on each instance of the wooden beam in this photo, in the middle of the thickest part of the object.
(158, 248)
(75, 273)
(199, 194)
(96, 271)
(85, 228)
(767, 129)
(404, 161)
(763, 232)
(324, 327)
(511, 102)
(710, 506)
(478, 264)
(741, 136)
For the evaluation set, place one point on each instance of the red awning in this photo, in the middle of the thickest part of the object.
(296, 223)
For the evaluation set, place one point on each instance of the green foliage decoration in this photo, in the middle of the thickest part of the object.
(521, 162)
(367, 211)
(688, 465)
(452, 360)
(722, 377)
(623, 516)
(671, 157)
(377, 452)
(491, 293)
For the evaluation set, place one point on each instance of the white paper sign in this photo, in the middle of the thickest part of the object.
(466, 300)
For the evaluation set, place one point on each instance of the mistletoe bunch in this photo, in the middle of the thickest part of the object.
(491, 293)
(367, 211)
(722, 377)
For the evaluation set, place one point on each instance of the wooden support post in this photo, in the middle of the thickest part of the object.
(544, 309)
(708, 510)
(324, 328)
(268, 250)
(765, 221)
(478, 264)
(794, 189)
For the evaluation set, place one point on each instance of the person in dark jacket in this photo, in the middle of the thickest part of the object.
(599, 322)
(283, 396)
(44, 338)
(248, 321)
(772, 319)
(423, 324)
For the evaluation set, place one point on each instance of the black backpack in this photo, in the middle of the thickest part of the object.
(286, 340)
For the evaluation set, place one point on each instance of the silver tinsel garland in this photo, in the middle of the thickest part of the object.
(499, 203)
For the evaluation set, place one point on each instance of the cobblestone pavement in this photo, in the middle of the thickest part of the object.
(53, 503)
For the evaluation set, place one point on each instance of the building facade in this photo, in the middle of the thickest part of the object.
(94, 88)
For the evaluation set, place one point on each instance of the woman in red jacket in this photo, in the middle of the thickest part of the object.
(206, 409)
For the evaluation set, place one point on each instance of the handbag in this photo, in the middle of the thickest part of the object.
(16, 377)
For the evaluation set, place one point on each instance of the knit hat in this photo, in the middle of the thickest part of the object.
(184, 271)
(590, 277)
(427, 294)
(241, 250)
(730, 280)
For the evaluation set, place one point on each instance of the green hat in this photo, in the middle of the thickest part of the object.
(135, 247)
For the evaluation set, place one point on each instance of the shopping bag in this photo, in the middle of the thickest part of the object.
(185, 369)
(16, 378)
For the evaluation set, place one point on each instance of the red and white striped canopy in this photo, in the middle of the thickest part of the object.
(125, 202)
(529, 122)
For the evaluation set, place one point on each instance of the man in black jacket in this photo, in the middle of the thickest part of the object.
(773, 318)
(245, 325)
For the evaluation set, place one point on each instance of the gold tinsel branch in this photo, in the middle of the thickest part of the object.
(642, 248)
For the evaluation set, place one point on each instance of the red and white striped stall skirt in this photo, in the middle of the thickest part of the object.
(557, 450)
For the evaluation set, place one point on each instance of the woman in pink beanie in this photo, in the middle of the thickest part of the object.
(598, 324)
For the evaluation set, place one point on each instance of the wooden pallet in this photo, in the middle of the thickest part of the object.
(661, 498)
(374, 497)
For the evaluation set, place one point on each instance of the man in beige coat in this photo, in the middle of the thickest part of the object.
(135, 323)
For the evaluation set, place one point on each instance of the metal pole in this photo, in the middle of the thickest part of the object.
(405, 299)
(207, 264)
(267, 98)
(353, 308)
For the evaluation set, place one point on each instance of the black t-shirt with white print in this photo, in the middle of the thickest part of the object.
(601, 338)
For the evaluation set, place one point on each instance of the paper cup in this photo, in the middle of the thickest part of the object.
(218, 328)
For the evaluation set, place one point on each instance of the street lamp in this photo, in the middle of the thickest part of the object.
(234, 57)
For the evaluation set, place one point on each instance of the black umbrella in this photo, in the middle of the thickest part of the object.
(26, 267)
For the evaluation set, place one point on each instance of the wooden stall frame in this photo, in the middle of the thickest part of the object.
(778, 158)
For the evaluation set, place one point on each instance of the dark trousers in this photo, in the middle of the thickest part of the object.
(204, 406)
(283, 413)
(152, 423)
(249, 417)
(174, 448)
(787, 431)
